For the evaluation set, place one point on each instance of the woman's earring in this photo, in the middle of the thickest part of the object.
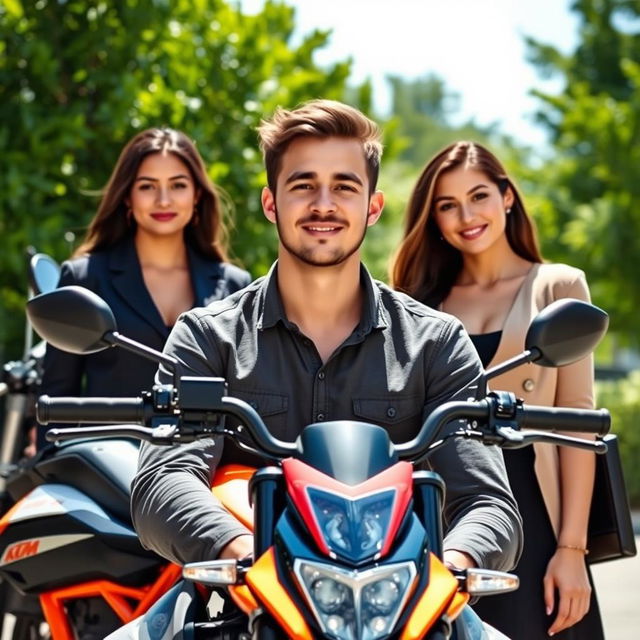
(195, 218)
(508, 211)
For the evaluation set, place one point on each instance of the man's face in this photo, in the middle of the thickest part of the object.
(322, 205)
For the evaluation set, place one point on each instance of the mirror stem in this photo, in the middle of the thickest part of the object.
(113, 338)
(526, 356)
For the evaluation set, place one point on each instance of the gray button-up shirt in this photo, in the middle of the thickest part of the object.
(401, 361)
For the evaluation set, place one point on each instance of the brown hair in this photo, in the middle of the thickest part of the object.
(318, 119)
(205, 232)
(424, 266)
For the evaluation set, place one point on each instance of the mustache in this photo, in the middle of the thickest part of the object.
(314, 217)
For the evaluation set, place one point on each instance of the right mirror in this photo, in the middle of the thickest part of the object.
(72, 319)
(565, 332)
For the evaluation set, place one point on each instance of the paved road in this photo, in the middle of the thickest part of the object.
(618, 588)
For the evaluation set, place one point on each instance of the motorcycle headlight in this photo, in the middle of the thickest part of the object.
(353, 528)
(355, 605)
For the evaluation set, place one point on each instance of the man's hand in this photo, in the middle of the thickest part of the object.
(458, 559)
(238, 548)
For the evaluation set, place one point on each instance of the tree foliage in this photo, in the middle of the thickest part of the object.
(589, 215)
(78, 78)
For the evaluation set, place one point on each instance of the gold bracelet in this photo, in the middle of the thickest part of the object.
(582, 550)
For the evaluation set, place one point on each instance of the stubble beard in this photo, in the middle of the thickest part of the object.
(307, 256)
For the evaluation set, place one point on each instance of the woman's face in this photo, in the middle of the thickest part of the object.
(163, 195)
(469, 210)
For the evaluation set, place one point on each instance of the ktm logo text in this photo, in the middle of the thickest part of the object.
(21, 550)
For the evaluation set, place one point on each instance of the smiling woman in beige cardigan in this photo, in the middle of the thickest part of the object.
(470, 249)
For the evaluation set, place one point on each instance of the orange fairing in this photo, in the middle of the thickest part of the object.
(231, 487)
(457, 605)
(127, 602)
(243, 598)
(433, 602)
(263, 580)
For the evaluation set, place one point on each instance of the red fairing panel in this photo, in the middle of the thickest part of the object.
(300, 476)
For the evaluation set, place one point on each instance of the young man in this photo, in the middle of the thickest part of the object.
(318, 339)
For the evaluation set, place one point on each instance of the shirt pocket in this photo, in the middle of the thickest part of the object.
(401, 416)
(271, 406)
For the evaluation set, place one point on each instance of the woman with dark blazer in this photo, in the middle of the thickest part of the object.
(470, 249)
(154, 249)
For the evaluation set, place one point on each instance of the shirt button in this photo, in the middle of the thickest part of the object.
(391, 412)
(320, 417)
(321, 375)
(528, 385)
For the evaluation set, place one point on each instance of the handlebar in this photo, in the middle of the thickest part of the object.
(596, 421)
(171, 417)
(91, 410)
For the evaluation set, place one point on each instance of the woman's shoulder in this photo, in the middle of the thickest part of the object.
(558, 273)
(555, 280)
(235, 276)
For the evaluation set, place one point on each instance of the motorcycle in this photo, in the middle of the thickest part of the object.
(348, 548)
(71, 565)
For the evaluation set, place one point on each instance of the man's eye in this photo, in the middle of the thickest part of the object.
(346, 187)
(301, 186)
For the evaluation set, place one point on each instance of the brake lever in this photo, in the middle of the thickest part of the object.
(514, 439)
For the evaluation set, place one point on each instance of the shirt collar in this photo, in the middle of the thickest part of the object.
(273, 310)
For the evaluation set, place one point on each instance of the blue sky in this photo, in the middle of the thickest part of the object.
(476, 46)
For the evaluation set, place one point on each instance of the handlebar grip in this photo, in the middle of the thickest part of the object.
(90, 410)
(597, 421)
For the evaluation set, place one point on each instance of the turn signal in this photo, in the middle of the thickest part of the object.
(214, 573)
(484, 582)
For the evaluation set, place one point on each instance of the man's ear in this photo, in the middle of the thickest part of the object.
(376, 204)
(268, 204)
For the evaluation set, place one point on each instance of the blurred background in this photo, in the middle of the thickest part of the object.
(552, 86)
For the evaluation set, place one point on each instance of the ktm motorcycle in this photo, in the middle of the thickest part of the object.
(346, 547)
(71, 565)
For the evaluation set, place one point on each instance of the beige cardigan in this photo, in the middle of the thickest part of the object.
(570, 386)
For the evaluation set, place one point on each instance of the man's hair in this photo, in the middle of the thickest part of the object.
(318, 119)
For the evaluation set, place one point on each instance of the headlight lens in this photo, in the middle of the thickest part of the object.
(353, 529)
(355, 605)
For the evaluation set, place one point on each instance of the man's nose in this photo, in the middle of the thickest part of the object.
(324, 200)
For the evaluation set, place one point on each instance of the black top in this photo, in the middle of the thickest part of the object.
(401, 361)
(486, 345)
(115, 275)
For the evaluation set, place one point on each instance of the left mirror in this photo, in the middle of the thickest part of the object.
(72, 319)
(44, 273)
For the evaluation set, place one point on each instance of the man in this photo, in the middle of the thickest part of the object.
(317, 339)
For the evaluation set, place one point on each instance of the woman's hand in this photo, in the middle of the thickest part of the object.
(567, 573)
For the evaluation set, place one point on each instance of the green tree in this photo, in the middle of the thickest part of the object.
(589, 213)
(79, 78)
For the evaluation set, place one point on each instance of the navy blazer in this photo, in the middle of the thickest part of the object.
(116, 276)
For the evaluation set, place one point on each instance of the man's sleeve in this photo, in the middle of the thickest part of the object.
(481, 515)
(172, 507)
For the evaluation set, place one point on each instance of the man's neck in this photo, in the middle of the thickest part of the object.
(324, 302)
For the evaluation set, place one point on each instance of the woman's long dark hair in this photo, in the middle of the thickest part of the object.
(205, 232)
(425, 266)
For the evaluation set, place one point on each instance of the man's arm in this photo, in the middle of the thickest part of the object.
(481, 515)
(172, 507)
